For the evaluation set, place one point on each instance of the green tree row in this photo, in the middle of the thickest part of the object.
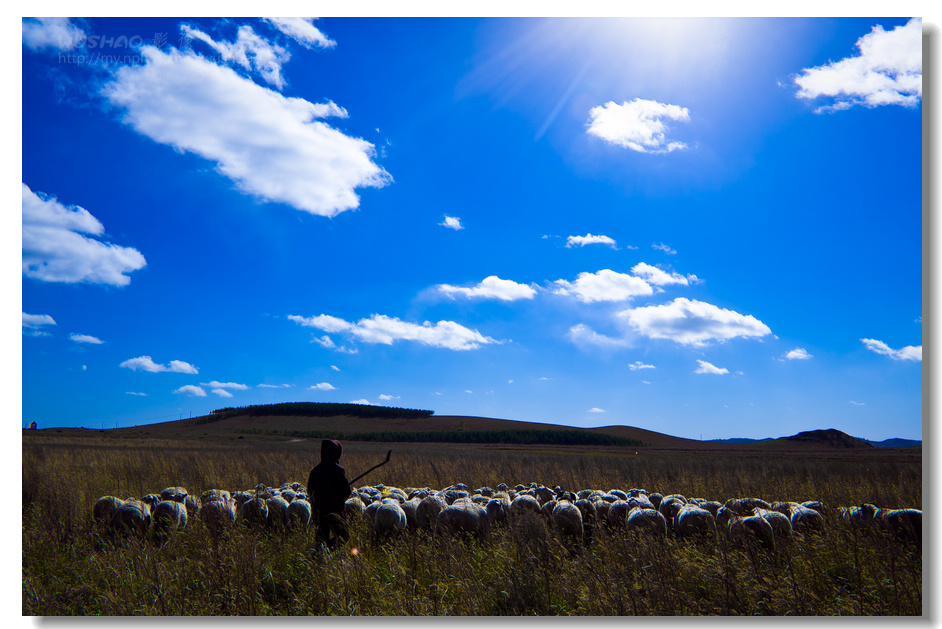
(515, 437)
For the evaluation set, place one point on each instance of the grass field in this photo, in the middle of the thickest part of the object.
(70, 567)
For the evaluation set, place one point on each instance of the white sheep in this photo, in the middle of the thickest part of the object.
(649, 520)
(693, 520)
(352, 507)
(253, 512)
(133, 515)
(751, 529)
(806, 520)
(389, 518)
(277, 512)
(428, 509)
(299, 514)
(744, 506)
(410, 507)
(169, 516)
(904, 524)
(523, 503)
(177, 494)
(218, 513)
(498, 508)
(781, 525)
(568, 519)
(670, 506)
(464, 517)
(617, 513)
(105, 507)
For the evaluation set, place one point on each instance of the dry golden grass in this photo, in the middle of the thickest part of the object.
(70, 567)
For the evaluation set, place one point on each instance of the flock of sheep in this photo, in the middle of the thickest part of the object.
(459, 509)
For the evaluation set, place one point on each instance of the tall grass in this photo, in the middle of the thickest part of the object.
(72, 567)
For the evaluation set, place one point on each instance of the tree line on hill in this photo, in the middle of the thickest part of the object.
(317, 409)
(512, 437)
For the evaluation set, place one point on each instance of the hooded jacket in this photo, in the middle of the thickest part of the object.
(327, 485)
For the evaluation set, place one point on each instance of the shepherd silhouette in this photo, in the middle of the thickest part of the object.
(329, 489)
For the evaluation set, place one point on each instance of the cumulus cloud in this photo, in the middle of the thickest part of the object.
(85, 338)
(54, 249)
(57, 33)
(191, 390)
(590, 239)
(322, 386)
(249, 51)
(302, 30)
(387, 330)
(452, 222)
(491, 288)
(638, 125)
(272, 147)
(654, 275)
(635, 366)
(907, 353)
(692, 322)
(215, 384)
(604, 285)
(799, 353)
(887, 71)
(146, 363)
(709, 368)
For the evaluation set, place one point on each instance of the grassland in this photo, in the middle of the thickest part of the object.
(70, 567)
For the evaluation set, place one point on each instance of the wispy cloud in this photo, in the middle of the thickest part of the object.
(692, 322)
(55, 250)
(275, 386)
(272, 147)
(710, 368)
(215, 384)
(136, 393)
(491, 288)
(85, 338)
(387, 330)
(590, 239)
(907, 353)
(249, 51)
(56, 33)
(452, 222)
(662, 247)
(302, 30)
(638, 125)
(583, 336)
(191, 390)
(596, 409)
(887, 71)
(604, 285)
(635, 366)
(34, 325)
(145, 363)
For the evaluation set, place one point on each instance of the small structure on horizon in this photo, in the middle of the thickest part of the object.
(32, 425)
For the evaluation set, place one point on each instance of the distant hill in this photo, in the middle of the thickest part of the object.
(829, 438)
(897, 443)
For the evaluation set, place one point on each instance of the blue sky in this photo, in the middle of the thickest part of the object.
(708, 228)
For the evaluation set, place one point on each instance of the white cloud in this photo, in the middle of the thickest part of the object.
(582, 335)
(302, 30)
(335, 367)
(799, 353)
(590, 239)
(387, 398)
(387, 330)
(57, 33)
(491, 288)
(857, 403)
(604, 285)
(136, 393)
(635, 366)
(322, 386)
(191, 390)
(145, 363)
(54, 249)
(215, 384)
(249, 51)
(692, 322)
(654, 275)
(907, 353)
(85, 338)
(222, 393)
(361, 401)
(452, 222)
(638, 125)
(709, 368)
(596, 410)
(887, 71)
(36, 322)
(275, 386)
(272, 147)
(664, 248)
